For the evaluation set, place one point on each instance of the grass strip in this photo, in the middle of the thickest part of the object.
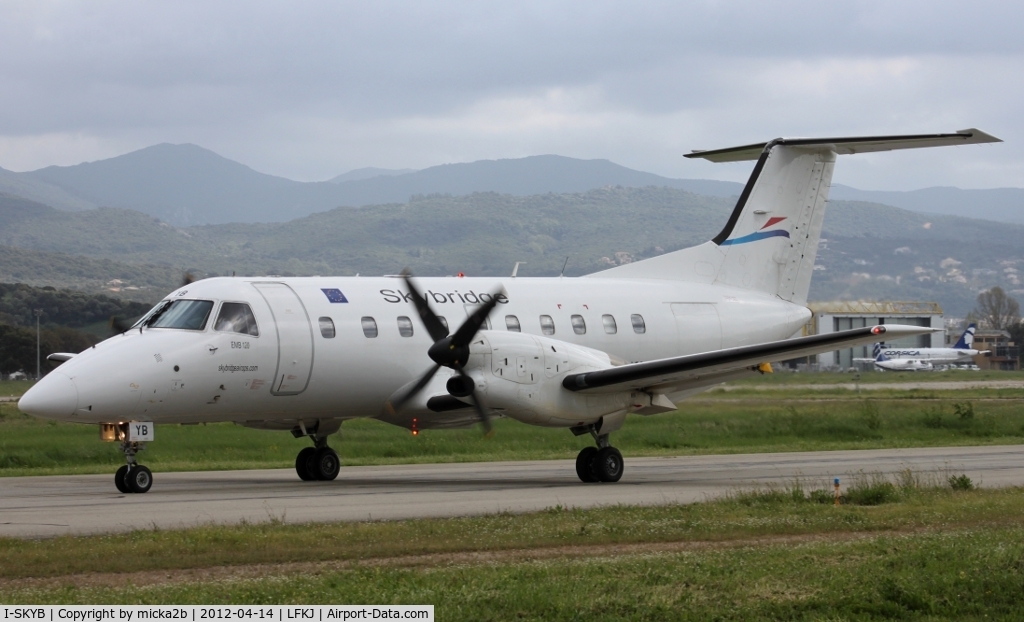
(889, 507)
(930, 555)
(955, 575)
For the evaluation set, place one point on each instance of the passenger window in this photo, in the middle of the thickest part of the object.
(638, 324)
(547, 325)
(404, 326)
(369, 327)
(327, 327)
(609, 324)
(512, 323)
(236, 317)
(578, 325)
(444, 323)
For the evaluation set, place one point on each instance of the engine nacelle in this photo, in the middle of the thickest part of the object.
(520, 376)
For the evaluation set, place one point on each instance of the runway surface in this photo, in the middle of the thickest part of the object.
(47, 506)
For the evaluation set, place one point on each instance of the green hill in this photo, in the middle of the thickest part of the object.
(868, 251)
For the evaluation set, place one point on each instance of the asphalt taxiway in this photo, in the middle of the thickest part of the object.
(81, 504)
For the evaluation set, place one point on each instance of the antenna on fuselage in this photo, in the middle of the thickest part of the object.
(515, 269)
(563, 267)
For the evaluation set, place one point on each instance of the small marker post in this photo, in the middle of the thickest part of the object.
(836, 483)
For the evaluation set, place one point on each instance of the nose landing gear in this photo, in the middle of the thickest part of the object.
(133, 477)
(599, 464)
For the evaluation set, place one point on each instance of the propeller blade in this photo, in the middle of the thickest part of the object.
(411, 393)
(472, 325)
(481, 410)
(117, 325)
(437, 330)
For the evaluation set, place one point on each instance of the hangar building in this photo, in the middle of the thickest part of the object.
(830, 317)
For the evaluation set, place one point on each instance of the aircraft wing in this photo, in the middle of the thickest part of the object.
(682, 372)
(848, 145)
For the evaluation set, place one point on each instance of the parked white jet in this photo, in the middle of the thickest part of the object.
(884, 362)
(961, 352)
(305, 354)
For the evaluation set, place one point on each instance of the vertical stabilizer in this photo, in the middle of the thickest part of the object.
(770, 241)
(967, 339)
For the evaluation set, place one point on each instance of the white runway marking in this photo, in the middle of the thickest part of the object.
(78, 504)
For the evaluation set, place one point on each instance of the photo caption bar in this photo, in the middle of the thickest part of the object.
(199, 613)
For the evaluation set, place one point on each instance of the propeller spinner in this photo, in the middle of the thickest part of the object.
(449, 350)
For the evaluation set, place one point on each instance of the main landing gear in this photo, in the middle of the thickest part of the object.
(599, 464)
(319, 462)
(133, 477)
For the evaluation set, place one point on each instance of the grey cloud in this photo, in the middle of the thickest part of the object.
(263, 79)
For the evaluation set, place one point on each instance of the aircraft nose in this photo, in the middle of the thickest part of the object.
(53, 397)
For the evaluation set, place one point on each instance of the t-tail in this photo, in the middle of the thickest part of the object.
(770, 240)
(966, 341)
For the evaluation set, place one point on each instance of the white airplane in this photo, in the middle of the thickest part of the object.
(884, 362)
(305, 354)
(961, 352)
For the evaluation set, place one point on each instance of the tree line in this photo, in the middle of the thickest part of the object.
(62, 316)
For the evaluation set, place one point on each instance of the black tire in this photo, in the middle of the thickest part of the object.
(326, 464)
(608, 464)
(585, 465)
(139, 479)
(304, 464)
(121, 480)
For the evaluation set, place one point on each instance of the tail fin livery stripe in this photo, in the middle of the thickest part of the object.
(757, 235)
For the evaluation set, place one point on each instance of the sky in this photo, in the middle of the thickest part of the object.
(308, 90)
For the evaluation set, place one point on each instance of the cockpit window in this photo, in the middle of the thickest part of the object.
(184, 314)
(159, 308)
(237, 317)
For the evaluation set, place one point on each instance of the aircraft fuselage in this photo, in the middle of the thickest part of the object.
(294, 367)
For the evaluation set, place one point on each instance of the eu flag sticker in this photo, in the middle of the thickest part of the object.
(334, 295)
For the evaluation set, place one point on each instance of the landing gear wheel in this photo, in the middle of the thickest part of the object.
(584, 465)
(607, 464)
(326, 464)
(139, 479)
(304, 464)
(120, 480)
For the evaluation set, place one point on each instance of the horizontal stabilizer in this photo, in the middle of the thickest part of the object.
(673, 373)
(848, 145)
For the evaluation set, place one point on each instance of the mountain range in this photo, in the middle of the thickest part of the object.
(186, 185)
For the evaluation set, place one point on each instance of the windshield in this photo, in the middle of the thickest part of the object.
(184, 314)
(160, 306)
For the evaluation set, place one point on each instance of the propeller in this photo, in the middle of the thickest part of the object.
(118, 325)
(449, 350)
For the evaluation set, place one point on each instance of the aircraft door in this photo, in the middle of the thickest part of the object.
(294, 338)
(700, 329)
